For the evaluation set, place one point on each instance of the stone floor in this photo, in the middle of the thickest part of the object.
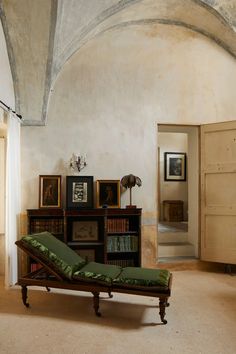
(201, 320)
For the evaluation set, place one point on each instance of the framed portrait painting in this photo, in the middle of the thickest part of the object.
(79, 192)
(108, 193)
(49, 191)
(175, 166)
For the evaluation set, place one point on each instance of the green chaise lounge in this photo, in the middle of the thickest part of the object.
(64, 268)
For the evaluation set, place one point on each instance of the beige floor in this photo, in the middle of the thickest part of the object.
(201, 319)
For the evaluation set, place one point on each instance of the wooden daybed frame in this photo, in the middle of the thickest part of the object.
(49, 278)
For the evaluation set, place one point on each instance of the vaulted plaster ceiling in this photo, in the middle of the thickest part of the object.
(42, 35)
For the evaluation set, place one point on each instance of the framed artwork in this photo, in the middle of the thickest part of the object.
(79, 192)
(175, 166)
(85, 231)
(49, 191)
(108, 193)
(87, 254)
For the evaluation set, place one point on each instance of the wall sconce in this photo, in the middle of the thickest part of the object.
(77, 163)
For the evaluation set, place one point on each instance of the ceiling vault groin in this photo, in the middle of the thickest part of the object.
(174, 23)
(79, 40)
(65, 29)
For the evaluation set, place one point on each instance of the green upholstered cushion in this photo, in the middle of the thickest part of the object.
(143, 277)
(98, 272)
(58, 253)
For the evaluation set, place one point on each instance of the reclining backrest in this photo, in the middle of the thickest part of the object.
(54, 252)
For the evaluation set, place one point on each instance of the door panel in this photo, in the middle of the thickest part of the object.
(218, 192)
(221, 150)
(220, 182)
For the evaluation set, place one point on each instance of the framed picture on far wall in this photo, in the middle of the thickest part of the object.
(175, 166)
(108, 193)
(49, 191)
(79, 192)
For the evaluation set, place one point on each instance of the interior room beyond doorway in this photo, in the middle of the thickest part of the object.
(178, 169)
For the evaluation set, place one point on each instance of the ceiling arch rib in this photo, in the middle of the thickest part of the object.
(226, 8)
(29, 32)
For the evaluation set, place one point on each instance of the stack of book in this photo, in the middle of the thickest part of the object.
(122, 243)
(117, 225)
(54, 226)
(122, 262)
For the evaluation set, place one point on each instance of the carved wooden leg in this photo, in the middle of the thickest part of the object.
(24, 295)
(96, 303)
(162, 306)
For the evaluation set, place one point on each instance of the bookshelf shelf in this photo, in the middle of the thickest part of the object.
(85, 244)
(122, 233)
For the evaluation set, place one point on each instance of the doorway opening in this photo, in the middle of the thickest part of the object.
(178, 192)
(2, 194)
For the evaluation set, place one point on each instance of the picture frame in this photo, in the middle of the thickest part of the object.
(108, 193)
(85, 230)
(79, 192)
(175, 166)
(49, 191)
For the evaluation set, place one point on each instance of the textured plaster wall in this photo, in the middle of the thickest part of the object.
(108, 100)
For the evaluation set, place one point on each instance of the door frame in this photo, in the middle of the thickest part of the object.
(185, 128)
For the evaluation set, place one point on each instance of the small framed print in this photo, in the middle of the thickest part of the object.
(175, 166)
(85, 231)
(87, 254)
(108, 193)
(79, 192)
(49, 191)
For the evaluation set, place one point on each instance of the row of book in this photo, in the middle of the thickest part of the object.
(54, 226)
(118, 225)
(122, 262)
(123, 243)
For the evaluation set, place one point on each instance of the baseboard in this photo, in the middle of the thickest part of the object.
(195, 264)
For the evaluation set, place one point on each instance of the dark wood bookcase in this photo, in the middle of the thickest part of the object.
(111, 236)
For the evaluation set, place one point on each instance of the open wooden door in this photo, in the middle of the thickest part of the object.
(218, 192)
